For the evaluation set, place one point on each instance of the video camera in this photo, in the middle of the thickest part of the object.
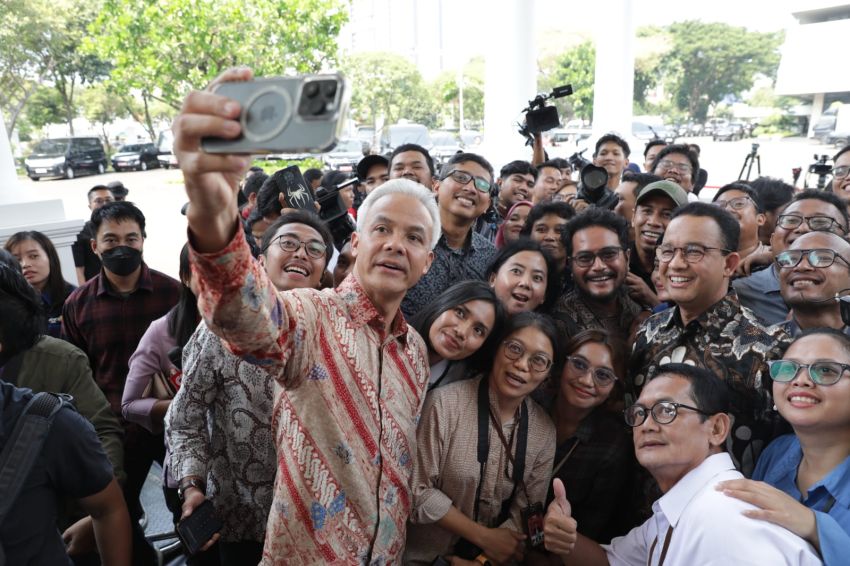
(820, 168)
(539, 117)
(334, 213)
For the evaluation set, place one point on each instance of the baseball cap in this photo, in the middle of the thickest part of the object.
(667, 188)
(367, 162)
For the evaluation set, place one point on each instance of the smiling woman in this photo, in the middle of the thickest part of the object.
(456, 498)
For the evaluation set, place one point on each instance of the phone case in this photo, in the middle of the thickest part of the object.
(198, 528)
(277, 115)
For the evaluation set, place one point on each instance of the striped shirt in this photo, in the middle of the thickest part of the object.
(346, 403)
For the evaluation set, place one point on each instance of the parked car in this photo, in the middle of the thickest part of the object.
(729, 132)
(345, 155)
(446, 144)
(165, 153)
(135, 157)
(400, 134)
(66, 157)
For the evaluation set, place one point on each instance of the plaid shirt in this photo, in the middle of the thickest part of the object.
(108, 326)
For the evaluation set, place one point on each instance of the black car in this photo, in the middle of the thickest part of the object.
(66, 157)
(136, 157)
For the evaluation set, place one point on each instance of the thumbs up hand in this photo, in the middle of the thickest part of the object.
(559, 528)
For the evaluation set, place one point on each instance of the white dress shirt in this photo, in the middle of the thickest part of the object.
(708, 528)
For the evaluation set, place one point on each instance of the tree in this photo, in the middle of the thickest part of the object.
(164, 48)
(100, 106)
(446, 92)
(709, 61)
(45, 106)
(575, 67)
(387, 87)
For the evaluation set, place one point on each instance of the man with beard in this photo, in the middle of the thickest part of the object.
(812, 272)
(679, 164)
(596, 242)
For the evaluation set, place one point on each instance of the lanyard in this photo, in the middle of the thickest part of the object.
(664, 548)
(484, 416)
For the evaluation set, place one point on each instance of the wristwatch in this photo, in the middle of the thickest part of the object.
(185, 484)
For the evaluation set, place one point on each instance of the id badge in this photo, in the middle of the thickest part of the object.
(532, 522)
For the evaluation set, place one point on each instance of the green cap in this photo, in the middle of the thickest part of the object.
(667, 188)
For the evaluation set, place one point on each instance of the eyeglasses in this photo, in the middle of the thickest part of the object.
(821, 257)
(607, 255)
(822, 373)
(314, 249)
(663, 412)
(462, 177)
(103, 200)
(667, 164)
(538, 362)
(693, 253)
(839, 172)
(735, 204)
(602, 376)
(815, 223)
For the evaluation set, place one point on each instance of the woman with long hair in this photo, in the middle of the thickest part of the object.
(594, 454)
(43, 271)
(484, 454)
(460, 328)
(802, 480)
(524, 277)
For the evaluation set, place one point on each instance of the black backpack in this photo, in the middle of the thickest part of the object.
(23, 448)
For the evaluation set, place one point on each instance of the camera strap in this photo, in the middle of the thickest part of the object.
(485, 414)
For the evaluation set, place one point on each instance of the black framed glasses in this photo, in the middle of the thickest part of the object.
(817, 223)
(462, 177)
(537, 362)
(668, 164)
(841, 171)
(314, 248)
(736, 204)
(602, 376)
(663, 412)
(822, 373)
(693, 253)
(608, 255)
(820, 257)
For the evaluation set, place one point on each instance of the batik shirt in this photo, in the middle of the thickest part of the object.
(450, 266)
(573, 314)
(729, 340)
(346, 403)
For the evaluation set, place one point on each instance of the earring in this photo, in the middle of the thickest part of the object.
(774, 407)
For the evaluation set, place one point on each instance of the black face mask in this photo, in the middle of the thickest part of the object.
(121, 260)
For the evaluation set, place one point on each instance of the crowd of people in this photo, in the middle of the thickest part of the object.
(486, 368)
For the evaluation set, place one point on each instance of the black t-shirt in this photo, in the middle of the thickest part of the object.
(72, 463)
(83, 255)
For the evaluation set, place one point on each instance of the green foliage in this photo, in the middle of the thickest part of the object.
(165, 48)
(576, 67)
(388, 87)
(447, 94)
(44, 107)
(270, 166)
(709, 61)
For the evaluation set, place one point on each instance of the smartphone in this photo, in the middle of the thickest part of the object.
(198, 528)
(303, 114)
(292, 185)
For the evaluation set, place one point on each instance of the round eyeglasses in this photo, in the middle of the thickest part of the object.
(663, 412)
(736, 204)
(314, 248)
(537, 362)
(822, 373)
(693, 253)
(602, 376)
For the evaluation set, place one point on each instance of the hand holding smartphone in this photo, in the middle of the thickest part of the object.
(198, 528)
(285, 114)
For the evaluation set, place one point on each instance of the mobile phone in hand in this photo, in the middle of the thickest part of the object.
(198, 528)
(285, 114)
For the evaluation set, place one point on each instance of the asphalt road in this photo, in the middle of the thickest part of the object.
(159, 193)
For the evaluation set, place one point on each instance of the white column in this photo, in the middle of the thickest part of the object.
(510, 78)
(613, 90)
(817, 111)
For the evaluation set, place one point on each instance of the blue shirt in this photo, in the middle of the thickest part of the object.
(778, 465)
(760, 293)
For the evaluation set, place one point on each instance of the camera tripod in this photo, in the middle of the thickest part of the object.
(751, 157)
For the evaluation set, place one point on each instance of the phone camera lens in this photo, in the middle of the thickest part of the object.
(329, 88)
(311, 90)
(316, 107)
